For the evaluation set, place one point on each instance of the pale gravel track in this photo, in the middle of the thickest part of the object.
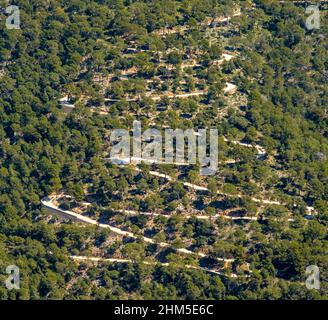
(47, 202)
(113, 260)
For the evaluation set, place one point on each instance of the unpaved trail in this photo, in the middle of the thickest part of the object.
(310, 210)
(201, 188)
(47, 202)
(177, 96)
(260, 150)
(113, 260)
(200, 217)
(210, 23)
(230, 88)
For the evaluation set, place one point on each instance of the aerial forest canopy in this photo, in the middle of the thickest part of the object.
(251, 69)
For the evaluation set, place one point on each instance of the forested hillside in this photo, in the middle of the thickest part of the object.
(251, 69)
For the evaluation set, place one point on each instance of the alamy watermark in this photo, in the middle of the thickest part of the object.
(313, 280)
(12, 282)
(13, 20)
(151, 147)
(313, 20)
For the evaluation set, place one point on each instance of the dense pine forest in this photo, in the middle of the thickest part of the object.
(76, 70)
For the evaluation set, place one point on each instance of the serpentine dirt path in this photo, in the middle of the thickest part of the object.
(228, 89)
(309, 209)
(200, 188)
(47, 202)
(112, 260)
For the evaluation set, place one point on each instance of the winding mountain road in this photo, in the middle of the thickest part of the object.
(47, 202)
(113, 260)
